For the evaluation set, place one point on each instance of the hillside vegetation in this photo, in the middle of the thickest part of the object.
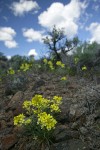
(52, 103)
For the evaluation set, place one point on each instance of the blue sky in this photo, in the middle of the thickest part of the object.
(23, 23)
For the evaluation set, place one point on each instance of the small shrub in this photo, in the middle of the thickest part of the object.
(15, 83)
(72, 71)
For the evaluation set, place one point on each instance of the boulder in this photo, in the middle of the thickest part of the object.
(16, 103)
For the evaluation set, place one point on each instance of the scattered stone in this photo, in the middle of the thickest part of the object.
(73, 144)
(16, 100)
(2, 125)
(38, 84)
(83, 130)
(66, 135)
(80, 111)
(8, 141)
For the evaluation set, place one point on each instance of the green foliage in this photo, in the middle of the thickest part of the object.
(71, 71)
(11, 71)
(14, 83)
(39, 118)
(2, 57)
(87, 55)
(87, 59)
(16, 61)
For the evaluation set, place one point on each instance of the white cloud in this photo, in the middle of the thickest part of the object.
(32, 52)
(23, 6)
(63, 16)
(7, 35)
(8, 57)
(10, 44)
(94, 29)
(32, 35)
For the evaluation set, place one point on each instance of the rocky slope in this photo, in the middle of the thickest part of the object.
(78, 123)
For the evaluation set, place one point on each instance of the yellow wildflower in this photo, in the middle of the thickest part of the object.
(55, 107)
(27, 105)
(45, 61)
(84, 68)
(76, 60)
(25, 67)
(50, 63)
(63, 65)
(57, 98)
(46, 120)
(11, 71)
(59, 63)
(40, 102)
(19, 120)
(28, 121)
(51, 67)
(63, 78)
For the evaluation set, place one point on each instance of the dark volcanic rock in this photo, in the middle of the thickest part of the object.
(79, 117)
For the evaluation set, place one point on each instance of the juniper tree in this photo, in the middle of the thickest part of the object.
(57, 42)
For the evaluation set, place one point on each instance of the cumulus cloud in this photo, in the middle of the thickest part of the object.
(32, 52)
(63, 16)
(94, 29)
(7, 35)
(23, 6)
(10, 44)
(32, 35)
(8, 57)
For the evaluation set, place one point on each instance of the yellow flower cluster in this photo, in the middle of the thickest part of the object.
(51, 65)
(39, 102)
(59, 63)
(46, 121)
(27, 105)
(42, 108)
(11, 71)
(25, 67)
(84, 68)
(48, 63)
(19, 120)
(56, 101)
(45, 61)
(54, 107)
(27, 121)
(64, 78)
(76, 60)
